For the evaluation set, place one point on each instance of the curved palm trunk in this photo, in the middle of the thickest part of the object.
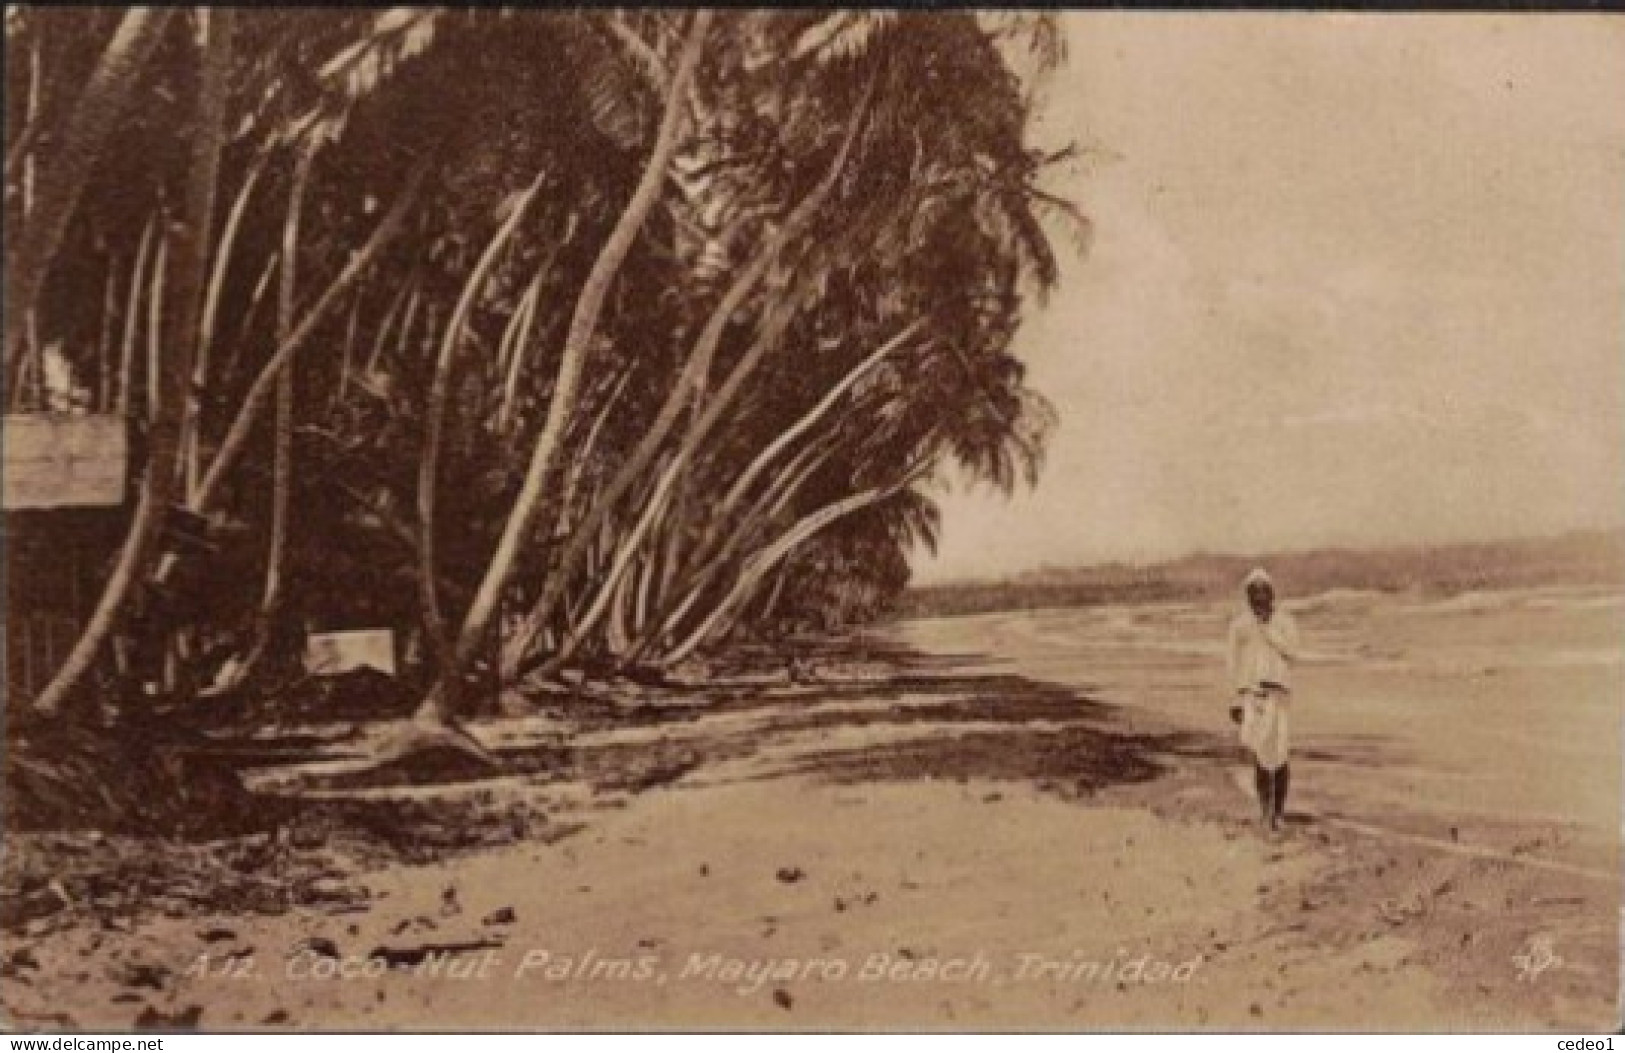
(770, 504)
(228, 369)
(583, 457)
(22, 149)
(780, 578)
(260, 392)
(104, 344)
(100, 107)
(155, 326)
(808, 420)
(669, 566)
(403, 344)
(346, 362)
(689, 382)
(617, 634)
(435, 411)
(637, 464)
(182, 303)
(132, 317)
(715, 548)
(386, 329)
(282, 464)
(34, 364)
(778, 321)
(514, 350)
(649, 573)
(442, 703)
(755, 569)
(613, 578)
(192, 426)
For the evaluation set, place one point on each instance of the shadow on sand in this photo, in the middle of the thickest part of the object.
(928, 721)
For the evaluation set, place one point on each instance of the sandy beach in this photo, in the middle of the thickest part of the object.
(930, 837)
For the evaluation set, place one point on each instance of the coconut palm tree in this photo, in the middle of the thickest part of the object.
(691, 310)
(191, 238)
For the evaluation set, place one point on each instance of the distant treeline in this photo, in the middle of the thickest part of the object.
(1590, 558)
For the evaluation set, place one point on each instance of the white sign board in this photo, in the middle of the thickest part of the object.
(64, 461)
(328, 654)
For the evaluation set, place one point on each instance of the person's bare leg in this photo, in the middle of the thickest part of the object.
(1265, 786)
(1283, 780)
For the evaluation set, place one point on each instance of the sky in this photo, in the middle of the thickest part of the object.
(1354, 280)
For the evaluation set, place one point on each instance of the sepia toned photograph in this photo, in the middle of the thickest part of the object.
(839, 520)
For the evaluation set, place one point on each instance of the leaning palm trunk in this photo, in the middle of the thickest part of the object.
(780, 577)
(809, 420)
(434, 624)
(610, 588)
(103, 402)
(282, 464)
(516, 342)
(689, 382)
(346, 361)
(717, 547)
(260, 392)
(583, 457)
(386, 329)
(100, 107)
(649, 574)
(182, 303)
(757, 567)
(657, 504)
(192, 426)
(769, 505)
(228, 368)
(617, 631)
(767, 339)
(443, 701)
(670, 558)
(155, 326)
(132, 317)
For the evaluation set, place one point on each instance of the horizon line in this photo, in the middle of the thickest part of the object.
(1008, 577)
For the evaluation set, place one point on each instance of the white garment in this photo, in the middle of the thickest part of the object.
(1266, 727)
(1260, 654)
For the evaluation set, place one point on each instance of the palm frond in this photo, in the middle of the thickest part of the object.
(843, 36)
(397, 35)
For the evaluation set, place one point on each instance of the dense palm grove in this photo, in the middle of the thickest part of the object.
(561, 341)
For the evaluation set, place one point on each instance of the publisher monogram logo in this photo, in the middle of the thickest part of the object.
(1536, 957)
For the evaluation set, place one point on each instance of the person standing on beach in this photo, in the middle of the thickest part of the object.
(1263, 644)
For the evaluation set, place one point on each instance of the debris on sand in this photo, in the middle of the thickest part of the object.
(362, 694)
(141, 774)
(151, 1019)
(790, 875)
(646, 776)
(142, 974)
(427, 765)
(500, 916)
(121, 878)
